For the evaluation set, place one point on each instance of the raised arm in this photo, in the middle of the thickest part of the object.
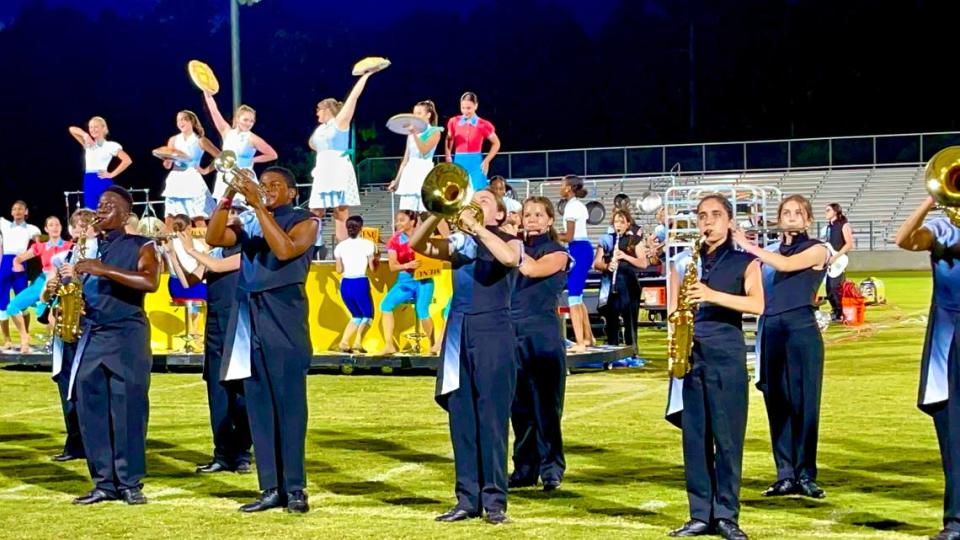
(267, 153)
(422, 243)
(425, 146)
(912, 235)
(813, 257)
(176, 269)
(345, 116)
(548, 265)
(286, 246)
(218, 234)
(145, 278)
(218, 121)
(81, 136)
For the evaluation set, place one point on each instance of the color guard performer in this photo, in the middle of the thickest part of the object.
(476, 381)
(418, 159)
(185, 191)
(402, 261)
(15, 237)
(464, 144)
(575, 216)
(98, 153)
(790, 348)
(940, 365)
(268, 342)
(713, 399)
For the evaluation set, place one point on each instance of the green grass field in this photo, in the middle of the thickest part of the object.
(380, 465)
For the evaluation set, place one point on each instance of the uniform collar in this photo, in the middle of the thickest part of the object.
(473, 120)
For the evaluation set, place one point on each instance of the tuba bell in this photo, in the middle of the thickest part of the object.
(942, 178)
(445, 191)
(226, 164)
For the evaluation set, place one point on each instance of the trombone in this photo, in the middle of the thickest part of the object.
(226, 164)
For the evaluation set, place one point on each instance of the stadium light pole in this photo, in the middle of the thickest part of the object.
(235, 46)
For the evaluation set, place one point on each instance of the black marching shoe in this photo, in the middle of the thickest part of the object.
(694, 527)
(456, 514)
(297, 502)
(212, 467)
(515, 482)
(270, 498)
(809, 488)
(496, 517)
(133, 496)
(785, 486)
(730, 530)
(243, 468)
(95, 496)
(551, 485)
(63, 456)
(946, 534)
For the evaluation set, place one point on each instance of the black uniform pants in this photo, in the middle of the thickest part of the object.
(834, 295)
(228, 408)
(73, 446)
(792, 351)
(946, 419)
(625, 307)
(538, 404)
(714, 425)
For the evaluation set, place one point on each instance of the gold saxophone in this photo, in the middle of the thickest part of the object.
(680, 340)
(69, 297)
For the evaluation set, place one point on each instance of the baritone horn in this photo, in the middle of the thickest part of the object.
(942, 178)
(226, 164)
(445, 191)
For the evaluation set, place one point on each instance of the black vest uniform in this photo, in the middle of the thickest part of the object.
(791, 375)
(715, 400)
(280, 353)
(835, 239)
(480, 336)
(541, 373)
(111, 370)
(623, 301)
(228, 408)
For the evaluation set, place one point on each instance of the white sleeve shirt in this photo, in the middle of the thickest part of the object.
(16, 236)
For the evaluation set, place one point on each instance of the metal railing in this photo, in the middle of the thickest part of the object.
(721, 157)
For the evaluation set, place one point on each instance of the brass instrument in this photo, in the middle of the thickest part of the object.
(680, 341)
(226, 164)
(153, 227)
(444, 193)
(68, 303)
(942, 178)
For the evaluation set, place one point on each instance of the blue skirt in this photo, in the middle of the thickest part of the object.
(93, 187)
(471, 162)
(194, 292)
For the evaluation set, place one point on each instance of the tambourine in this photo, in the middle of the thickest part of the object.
(370, 64)
(402, 123)
(168, 152)
(203, 77)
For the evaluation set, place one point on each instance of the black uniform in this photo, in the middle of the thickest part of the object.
(623, 297)
(228, 409)
(714, 394)
(834, 284)
(476, 381)
(111, 371)
(790, 361)
(73, 446)
(542, 372)
(268, 346)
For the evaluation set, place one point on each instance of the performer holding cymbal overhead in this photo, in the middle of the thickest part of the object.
(790, 348)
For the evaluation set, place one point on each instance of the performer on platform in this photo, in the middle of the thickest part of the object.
(354, 256)
(17, 308)
(267, 341)
(713, 396)
(334, 179)
(228, 408)
(240, 139)
(110, 375)
(939, 394)
(404, 263)
(542, 372)
(840, 237)
(15, 236)
(185, 191)
(621, 254)
(578, 244)
(418, 159)
(186, 272)
(476, 381)
(464, 144)
(98, 153)
(789, 346)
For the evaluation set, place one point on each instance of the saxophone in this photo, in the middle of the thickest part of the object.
(680, 340)
(69, 297)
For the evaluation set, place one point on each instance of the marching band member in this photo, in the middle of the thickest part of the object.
(498, 185)
(98, 152)
(334, 180)
(418, 159)
(403, 261)
(475, 383)
(240, 139)
(353, 257)
(575, 216)
(940, 364)
(790, 348)
(15, 236)
(714, 399)
(185, 191)
(542, 368)
(268, 342)
(110, 374)
(618, 255)
(464, 144)
(840, 237)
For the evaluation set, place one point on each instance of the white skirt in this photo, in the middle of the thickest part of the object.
(410, 183)
(334, 181)
(194, 207)
(187, 183)
(220, 187)
(411, 202)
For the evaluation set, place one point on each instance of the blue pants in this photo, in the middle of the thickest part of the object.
(197, 291)
(356, 296)
(93, 187)
(581, 251)
(27, 297)
(10, 280)
(471, 162)
(405, 289)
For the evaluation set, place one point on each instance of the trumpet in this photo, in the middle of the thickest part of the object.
(226, 164)
(942, 178)
(445, 191)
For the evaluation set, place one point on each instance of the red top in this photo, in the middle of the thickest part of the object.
(399, 243)
(468, 135)
(46, 251)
